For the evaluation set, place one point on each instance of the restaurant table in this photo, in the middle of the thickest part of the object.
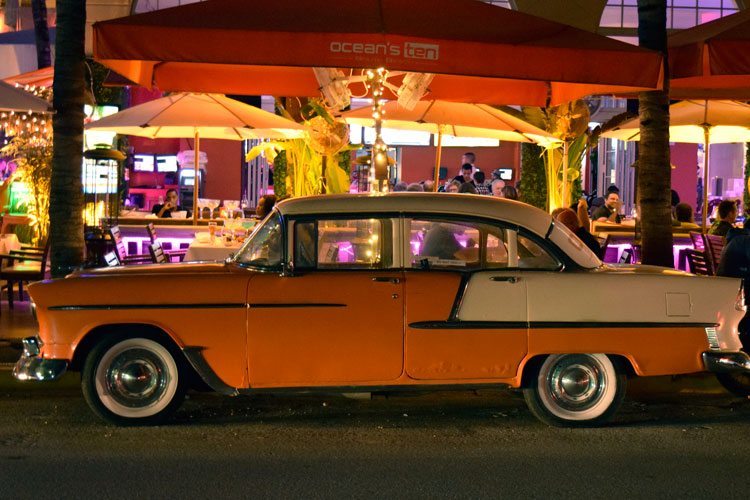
(209, 251)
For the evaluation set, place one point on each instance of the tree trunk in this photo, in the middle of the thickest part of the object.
(41, 33)
(655, 175)
(66, 197)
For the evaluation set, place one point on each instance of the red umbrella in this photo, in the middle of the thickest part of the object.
(712, 60)
(479, 52)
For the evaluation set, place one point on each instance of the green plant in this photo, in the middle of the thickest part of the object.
(34, 160)
(533, 184)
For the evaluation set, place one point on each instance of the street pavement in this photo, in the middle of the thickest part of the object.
(680, 437)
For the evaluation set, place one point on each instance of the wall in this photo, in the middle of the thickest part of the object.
(685, 176)
(418, 162)
(223, 172)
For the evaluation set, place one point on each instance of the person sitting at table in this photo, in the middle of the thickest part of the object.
(610, 211)
(727, 215)
(568, 218)
(265, 205)
(684, 216)
(166, 209)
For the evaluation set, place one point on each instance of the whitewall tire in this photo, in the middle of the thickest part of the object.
(575, 390)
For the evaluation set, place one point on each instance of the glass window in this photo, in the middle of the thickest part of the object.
(264, 248)
(344, 244)
(470, 245)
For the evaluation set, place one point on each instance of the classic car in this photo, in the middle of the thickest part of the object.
(415, 291)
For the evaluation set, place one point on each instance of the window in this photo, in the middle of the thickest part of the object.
(343, 244)
(264, 248)
(471, 245)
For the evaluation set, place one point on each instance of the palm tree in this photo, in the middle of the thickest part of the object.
(41, 33)
(654, 176)
(66, 197)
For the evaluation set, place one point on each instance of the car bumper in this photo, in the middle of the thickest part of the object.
(726, 362)
(33, 367)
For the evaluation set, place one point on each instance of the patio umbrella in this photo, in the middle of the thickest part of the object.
(712, 60)
(17, 99)
(454, 119)
(477, 52)
(207, 116)
(699, 122)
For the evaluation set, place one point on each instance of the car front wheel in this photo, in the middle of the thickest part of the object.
(132, 381)
(575, 390)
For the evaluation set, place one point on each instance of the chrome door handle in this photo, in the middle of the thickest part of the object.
(385, 279)
(509, 279)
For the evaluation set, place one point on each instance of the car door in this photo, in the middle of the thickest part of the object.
(466, 300)
(337, 319)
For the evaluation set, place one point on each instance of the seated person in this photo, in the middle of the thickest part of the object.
(727, 215)
(166, 209)
(684, 215)
(610, 211)
(265, 205)
(569, 219)
(440, 242)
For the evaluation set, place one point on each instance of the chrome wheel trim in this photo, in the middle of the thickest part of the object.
(136, 378)
(577, 387)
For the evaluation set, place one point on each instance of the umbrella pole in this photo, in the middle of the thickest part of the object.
(565, 186)
(196, 179)
(706, 145)
(438, 155)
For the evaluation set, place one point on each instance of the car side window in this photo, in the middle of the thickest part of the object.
(469, 245)
(343, 244)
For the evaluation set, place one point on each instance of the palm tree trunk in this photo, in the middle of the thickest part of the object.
(654, 175)
(66, 197)
(41, 33)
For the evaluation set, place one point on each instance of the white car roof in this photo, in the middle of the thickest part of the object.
(514, 212)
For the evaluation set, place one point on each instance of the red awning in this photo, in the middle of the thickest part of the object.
(480, 52)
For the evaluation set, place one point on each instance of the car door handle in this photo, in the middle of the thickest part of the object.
(385, 279)
(509, 279)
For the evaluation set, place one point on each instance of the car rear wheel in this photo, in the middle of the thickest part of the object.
(575, 390)
(133, 381)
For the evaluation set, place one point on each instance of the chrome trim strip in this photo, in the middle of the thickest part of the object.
(113, 307)
(460, 293)
(294, 304)
(505, 325)
(39, 369)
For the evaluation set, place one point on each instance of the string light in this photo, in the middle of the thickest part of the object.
(24, 124)
(375, 80)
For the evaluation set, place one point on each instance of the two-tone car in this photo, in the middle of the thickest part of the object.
(415, 291)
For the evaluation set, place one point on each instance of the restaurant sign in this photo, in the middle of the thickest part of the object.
(407, 50)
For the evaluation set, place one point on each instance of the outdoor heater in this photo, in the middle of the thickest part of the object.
(101, 174)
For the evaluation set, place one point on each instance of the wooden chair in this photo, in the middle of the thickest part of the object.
(121, 252)
(697, 240)
(713, 246)
(179, 253)
(157, 253)
(698, 263)
(23, 266)
(110, 258)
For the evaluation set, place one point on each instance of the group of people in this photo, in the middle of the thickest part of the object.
(470, 180)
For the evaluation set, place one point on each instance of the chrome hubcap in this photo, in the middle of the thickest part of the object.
(136, 378)
(576, 382)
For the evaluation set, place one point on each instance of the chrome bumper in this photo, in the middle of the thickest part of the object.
(726, 362)
(32, 367)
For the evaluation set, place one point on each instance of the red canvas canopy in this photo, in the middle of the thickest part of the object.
(480, 52)
(712, 60)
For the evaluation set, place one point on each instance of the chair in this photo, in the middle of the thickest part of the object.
(179, 253)
(157, 253)
(713, 246)
(603, 244)
(697, 240)
(122, 254)
(23, 266)
(697, 262)
(110, 258)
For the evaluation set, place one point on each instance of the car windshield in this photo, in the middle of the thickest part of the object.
(264, 247)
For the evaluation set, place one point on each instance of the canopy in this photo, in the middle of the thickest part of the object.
(38, 78)
(712, 60)
(210, 116)
(454, 119)
(17, 99)
(479, 52)
(699, 122)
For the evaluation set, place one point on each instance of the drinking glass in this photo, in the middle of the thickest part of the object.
(212, 205)
(212, 230)
(202, 203)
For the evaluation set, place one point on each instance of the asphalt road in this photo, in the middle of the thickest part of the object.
(441, 445)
